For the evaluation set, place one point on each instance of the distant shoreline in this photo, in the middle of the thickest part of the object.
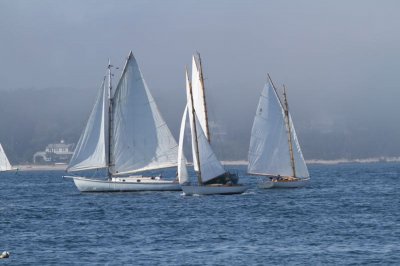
(63, 167)
(364, 160)
(335, 161)
(37, 167)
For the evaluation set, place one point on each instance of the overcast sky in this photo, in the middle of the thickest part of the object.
(339, 59)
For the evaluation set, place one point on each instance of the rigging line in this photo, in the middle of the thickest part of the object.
(287, 117)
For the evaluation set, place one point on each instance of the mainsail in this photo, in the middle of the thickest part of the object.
(206, 162)
(269, 152)
(4, 163)
(199, 101)
(141, 140)
(90, 152)
(191, 119)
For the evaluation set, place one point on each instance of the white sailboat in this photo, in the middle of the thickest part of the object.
(212, 178)
(126, 135)
(5, 165)
(274, 148)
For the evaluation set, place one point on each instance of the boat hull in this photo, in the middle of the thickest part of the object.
(118, 185)
(300, 182)
(213, 190)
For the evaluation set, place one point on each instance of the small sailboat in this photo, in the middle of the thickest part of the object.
(212, 178)
(274, 148)
(126, 135)
(5, 165)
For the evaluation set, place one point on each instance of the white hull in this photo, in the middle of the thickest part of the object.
(213, 190)
(124, 184)
(284, 184)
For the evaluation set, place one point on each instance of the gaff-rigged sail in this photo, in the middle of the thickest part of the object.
(199, 100)
(91, 150)
(141, 140)
(204, 159)
(191, 119)
(269, 152)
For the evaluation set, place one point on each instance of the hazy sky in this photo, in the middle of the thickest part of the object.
(338, 59)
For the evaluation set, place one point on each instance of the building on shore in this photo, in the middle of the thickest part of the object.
(57, 153)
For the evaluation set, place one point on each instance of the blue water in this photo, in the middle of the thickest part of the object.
(349, 214)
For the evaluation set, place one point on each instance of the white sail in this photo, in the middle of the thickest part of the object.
(299, 162)
(269, 147)
(4, 163)
(141, 140)
(210, 166)
(91, 152)
(199, 95)
(182, 169)
(189, 107)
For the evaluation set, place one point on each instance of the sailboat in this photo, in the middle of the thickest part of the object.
(212, 178)
(126, 135)
(274, 148)
(5, 165)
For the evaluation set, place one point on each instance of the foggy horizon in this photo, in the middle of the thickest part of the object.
(338, 61)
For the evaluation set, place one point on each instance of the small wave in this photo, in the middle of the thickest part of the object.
(249, 192)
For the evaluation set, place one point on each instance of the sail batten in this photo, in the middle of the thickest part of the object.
(269, 152)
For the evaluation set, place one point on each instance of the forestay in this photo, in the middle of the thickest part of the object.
(90, 152)
(141, 140)
(4, 163)
(269, 146)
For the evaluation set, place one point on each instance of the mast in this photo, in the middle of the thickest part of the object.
(276, 92)
(109, 163)
(286, 109)
(204, 97)
(195, 131)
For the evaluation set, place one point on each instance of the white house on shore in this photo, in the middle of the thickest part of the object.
(54, 153)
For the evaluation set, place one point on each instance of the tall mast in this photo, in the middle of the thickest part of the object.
(204, 97)
(286, 109)
(109, 163)
(276, 92)
(195, 130)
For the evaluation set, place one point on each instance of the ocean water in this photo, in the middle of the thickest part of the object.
(349, 214)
